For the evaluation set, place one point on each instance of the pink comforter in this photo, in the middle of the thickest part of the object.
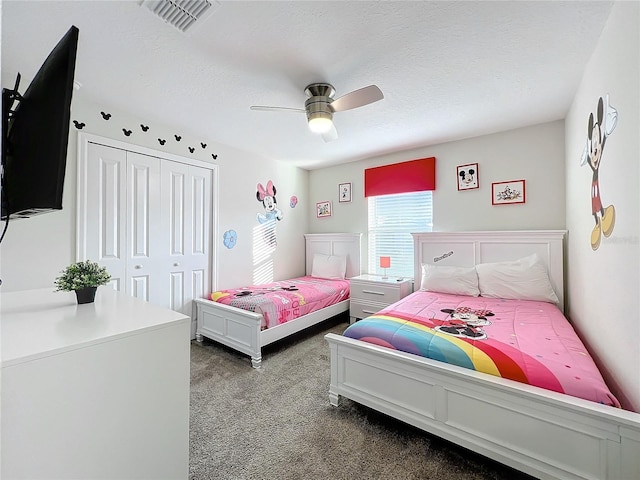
(526, 341)
(279, 302)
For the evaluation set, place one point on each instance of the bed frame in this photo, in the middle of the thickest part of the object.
(240, 329)
(543, 433)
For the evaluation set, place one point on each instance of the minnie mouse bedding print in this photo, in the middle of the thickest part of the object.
(279, 302)
(526, 341)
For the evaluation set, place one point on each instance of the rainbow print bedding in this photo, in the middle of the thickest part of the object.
(279, 302)
(526, 341)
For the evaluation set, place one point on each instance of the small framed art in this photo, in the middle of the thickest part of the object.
(509, 192)
(467, 176)
(323, 209)
(344, 192)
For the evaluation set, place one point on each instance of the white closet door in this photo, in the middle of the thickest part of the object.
(146, 241)
(186, 203)
(148, 221)
(103, 221)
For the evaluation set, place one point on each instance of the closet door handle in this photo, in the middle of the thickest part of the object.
(138, 267)
(177, 264)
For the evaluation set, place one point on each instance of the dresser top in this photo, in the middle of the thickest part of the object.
(39, 323)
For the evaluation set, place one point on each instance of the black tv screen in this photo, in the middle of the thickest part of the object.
(36, 134)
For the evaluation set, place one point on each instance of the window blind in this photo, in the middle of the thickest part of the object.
(392, 219)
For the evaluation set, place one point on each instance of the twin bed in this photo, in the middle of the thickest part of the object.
(247, 331)
(542, 408)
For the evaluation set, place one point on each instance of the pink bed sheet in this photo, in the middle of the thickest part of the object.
(279, 302)
(526, 341)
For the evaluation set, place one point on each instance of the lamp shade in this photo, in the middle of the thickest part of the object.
(385, 262)
(320, 124)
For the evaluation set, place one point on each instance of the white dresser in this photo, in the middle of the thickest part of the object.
(91, 391)
(371, 293)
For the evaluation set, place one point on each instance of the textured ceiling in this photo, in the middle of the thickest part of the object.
(448, 70)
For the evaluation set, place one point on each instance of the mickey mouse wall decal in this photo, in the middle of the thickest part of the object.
(215, 157)
(144, 127)
(598, 130)
(204, 145)
(106, 116)
(191, 149)
(178, 137)
(126, 132)
(78, 125)
(161, 141)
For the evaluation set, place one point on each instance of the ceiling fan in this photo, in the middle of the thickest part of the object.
(320, 106)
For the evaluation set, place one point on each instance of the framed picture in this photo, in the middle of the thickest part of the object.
(467, 176)
(503, 193)
(323, 209)
(344, 192)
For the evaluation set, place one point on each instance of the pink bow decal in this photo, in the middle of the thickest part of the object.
(268, 192)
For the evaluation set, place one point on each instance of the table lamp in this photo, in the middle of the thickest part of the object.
(385, 262)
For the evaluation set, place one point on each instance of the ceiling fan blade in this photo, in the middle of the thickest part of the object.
(357, 98)
(265, 108)
(331, 135)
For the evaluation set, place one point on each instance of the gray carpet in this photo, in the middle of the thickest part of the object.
(276, 423)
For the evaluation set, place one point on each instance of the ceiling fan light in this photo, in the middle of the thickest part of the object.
(320, 124)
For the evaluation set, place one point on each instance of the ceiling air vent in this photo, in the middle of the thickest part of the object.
(182, 14)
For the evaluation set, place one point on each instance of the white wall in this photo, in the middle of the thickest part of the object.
(604, 284)
(35, 250)
(535, 154)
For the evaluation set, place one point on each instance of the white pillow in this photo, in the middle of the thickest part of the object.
(454, 280)
(523, 279)
(329, 266)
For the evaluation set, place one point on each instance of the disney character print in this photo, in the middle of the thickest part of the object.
(465, 322)
(267, 196)
(598, 130)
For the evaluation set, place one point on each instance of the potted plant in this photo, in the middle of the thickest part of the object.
(84, 278)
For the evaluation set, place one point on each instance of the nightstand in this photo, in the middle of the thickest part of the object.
(371, 293)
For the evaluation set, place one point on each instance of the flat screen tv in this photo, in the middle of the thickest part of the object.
(35, 135)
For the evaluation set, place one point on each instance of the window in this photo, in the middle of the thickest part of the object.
(392, 219)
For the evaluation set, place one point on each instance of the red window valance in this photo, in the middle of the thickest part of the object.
(411, 176)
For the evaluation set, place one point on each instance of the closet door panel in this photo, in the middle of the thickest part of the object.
(187, 203)
(146, 242)
(201, 218)
(199, 256)
(104, 233)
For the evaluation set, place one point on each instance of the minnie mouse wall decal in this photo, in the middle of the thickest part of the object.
(271, 211)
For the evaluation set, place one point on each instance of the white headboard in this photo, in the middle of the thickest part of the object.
(335, 244)
(466, 249)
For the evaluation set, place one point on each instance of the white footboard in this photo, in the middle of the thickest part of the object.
(545, 434)
(233, 327)
(241, 330)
